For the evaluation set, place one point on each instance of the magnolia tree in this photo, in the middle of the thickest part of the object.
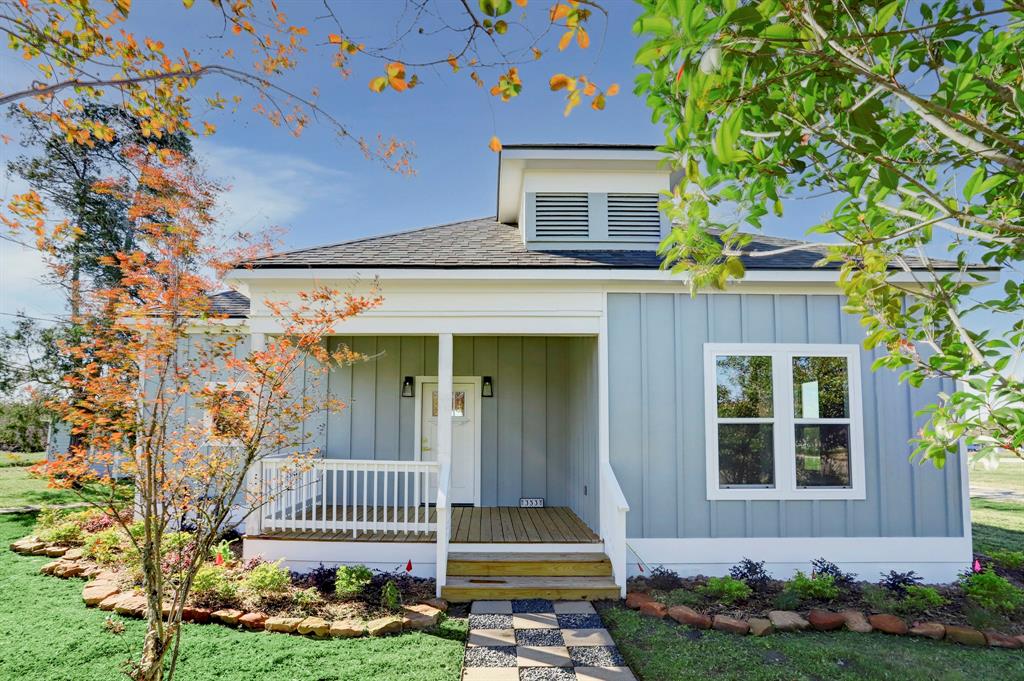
(911, 114)
(150, 343)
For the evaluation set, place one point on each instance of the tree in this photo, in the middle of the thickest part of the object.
(912, 116)
(132, 380)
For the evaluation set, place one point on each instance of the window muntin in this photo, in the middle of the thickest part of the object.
(783, 421)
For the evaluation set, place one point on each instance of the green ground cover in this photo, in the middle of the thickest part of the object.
(997, 525)
(19, 488)
(46, 634)
(661, 650)
(1008, 477)
(8, 459)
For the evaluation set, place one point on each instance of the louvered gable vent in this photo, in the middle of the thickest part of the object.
(561, 216)
(634, 216)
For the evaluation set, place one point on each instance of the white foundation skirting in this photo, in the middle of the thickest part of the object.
(300, 555)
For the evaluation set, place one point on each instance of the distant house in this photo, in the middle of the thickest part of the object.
(549, 410)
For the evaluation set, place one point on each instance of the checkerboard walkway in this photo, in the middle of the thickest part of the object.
(538, 640)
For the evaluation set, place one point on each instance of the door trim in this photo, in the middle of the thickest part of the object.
(477, 382)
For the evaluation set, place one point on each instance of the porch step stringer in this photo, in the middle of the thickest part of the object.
(504, 576)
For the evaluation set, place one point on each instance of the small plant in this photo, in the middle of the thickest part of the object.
(50, 517)
(350, 580)
(663, 579)
(222, 553)
(308, 600)
(816, 587)
(751, 572)
(897, 582)
(212, 585)
(267, 579)
(98, 522)
(321, 578)
(786, 600)
(68, 532)
(104, 547)
(992, 592)
(725, 590)
(1011, 560)
(825, 567)
(920, 599)
(682, 597)
(390, 597)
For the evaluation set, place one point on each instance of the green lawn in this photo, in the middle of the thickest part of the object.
(46, 634)
(8, 459)
(18, 488)
(1009, 477)
(660, 650)
(997, 525)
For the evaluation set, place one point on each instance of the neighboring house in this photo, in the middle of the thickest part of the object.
(548, 411)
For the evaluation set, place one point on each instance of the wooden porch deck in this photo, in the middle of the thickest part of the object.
(470, 525)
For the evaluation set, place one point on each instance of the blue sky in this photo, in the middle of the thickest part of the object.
(322, 190)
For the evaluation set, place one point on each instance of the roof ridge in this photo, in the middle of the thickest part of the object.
(376, 236)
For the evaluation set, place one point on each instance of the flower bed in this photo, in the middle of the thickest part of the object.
(255, 595)
(984, 608)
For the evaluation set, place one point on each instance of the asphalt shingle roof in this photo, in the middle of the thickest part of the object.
(229, 304)
(485, 243)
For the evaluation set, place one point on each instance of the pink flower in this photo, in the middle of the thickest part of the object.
(977, 565)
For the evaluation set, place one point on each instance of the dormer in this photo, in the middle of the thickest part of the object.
(580, 197)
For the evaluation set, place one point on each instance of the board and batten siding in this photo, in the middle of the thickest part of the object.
(657, 442)
(538, 432)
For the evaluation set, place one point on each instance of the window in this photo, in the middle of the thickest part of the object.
(783, 421)
(458, 403)
(228, 412)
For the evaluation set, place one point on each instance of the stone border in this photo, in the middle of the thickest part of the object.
(102, 591)
(821, 620)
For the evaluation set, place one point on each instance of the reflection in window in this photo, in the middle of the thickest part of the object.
(820, 388)
(744, 386)
(458, 403)
(823, 455)
(746, 455)
(229, 412)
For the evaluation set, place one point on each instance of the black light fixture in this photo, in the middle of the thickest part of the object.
(487, 390)
(408, 389)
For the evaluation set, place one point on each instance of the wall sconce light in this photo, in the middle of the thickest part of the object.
(487, 390)
(408, 389)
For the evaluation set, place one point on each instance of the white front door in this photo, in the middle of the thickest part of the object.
(465, 438)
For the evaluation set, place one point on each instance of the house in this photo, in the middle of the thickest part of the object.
(548, 412)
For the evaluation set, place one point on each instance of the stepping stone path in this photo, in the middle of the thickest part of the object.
(539, 640)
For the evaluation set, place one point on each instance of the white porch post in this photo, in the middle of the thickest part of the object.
(444, 452)
(612, 507)
(254, 477)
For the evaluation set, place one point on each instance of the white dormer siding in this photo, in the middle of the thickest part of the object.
(574, 210)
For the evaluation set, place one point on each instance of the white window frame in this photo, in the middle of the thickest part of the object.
(228, 387)
(783, 420)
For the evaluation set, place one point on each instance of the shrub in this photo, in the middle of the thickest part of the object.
(992, 592)
(321, 578)
(825, 567)
(663, 579)
(104, 547)
(178, 560)
(725, 590)
(50, 517)
(682, 597)
(817, 587)
(786, 600)
(267, 579)
(1011, 560)
(176, 541)
(221, 552)
(390, 597)
(897, 582)
(67, 532)
(308, 600)
(98, 522)
(920, 599)
(752, 573)
(212, 585)
(351, 580)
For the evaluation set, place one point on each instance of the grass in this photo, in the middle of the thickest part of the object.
(46, 634)
(8, 459)
(18, 488)
(660, 650)
(997, 525)
(1009, 476)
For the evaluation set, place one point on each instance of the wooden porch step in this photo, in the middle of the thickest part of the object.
(464, 589)
(529, 565)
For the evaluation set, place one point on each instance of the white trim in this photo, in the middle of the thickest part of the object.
(592, 547)
(783, 420)
(477, 382)
(302, 554)
(936, 559)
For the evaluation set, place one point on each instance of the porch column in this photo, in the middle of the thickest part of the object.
(257, 343)
(444, 454)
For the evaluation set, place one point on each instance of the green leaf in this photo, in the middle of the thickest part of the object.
(884, 15)
(779, 32)
(745, 15)
(971, 187)
(659, 26)
(495, 8)
(991, 183)
(888, 178)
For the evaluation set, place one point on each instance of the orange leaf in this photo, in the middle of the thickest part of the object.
(560, 81)
(566, 39)
(395, 69)
(612, 90)
(453, 62)
(536, 53)
(521, 3)
(582, 39)
(495, 144)
(589, 89)
(598, 103)
(378, 84)
(559, 12)
(334, 39)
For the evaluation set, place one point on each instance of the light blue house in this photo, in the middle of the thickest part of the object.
(547, 410)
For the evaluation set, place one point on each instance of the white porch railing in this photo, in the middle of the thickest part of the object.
(347, 495)
(614, 508)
